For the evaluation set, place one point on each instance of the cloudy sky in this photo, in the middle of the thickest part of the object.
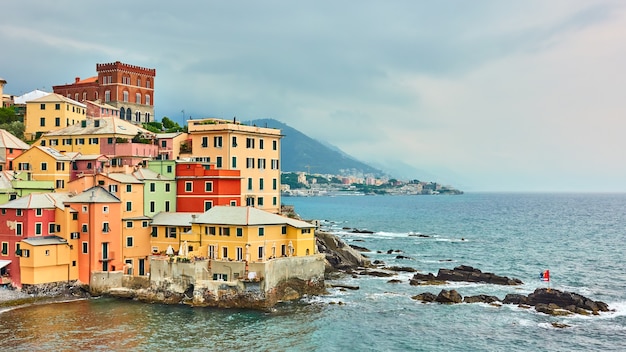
(483, 95)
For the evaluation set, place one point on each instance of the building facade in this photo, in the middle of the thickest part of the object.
(50, 113)
(128, 88)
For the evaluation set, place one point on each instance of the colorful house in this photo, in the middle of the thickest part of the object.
(10, 148)
(253, 235)
(172, 230)
(14, 184)
(46, 259)
(51, 112)
(199, 187)
(34, 215)
(159, 191)
(169, 144)
(121, 141)
(44, 164)
(98, 215)
(254, 151)
(90, 164)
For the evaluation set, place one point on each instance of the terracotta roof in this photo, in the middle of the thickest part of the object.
(106, 125)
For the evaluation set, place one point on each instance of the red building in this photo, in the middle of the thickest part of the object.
(30, 216)
(126, 87)
(199, 188)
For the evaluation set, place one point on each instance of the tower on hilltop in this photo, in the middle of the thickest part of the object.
(127, 87)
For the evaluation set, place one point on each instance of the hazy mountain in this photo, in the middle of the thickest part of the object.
(302, 153)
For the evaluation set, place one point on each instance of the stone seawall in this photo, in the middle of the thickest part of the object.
(194, 283)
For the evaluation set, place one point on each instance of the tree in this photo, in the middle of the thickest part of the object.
(168, 123)
(8, 115)
(16, 128)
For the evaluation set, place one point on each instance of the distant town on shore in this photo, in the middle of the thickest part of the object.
(301, 184)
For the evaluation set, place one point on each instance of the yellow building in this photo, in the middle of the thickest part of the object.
(233, 234)
(46, 259)
(110, 136)
(136, 245)
(44, 164)
(255, 151)
(49, 113)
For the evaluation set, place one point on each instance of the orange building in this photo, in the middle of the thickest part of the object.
(98, 219)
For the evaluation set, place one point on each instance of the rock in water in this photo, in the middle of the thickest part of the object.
(451, 296)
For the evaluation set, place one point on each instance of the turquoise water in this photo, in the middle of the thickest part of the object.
(578, 237)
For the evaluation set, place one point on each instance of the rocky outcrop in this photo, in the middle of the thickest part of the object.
(463, 273)
(58, 289)
(548, 301)
(339, 255)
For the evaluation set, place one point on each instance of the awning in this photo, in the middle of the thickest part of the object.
(4, 263)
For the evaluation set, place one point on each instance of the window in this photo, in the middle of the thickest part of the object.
(306, 231)
(129, 241)
(260, 144)
(274, 201)
(147, 99)
(105, 209)
(84, 228)
(57, 106)
(152, 206)
(84, 208)
(129, 224)
(23, 166)
(217, 141)
(208, 205)
(107, 96)
(5, 248)
(25, 253)
(239, 232)
(224, 231)
(144, 224)
(60, 166)
(169, 169)
(60, 184)
(57, 121)
(205, 142)
(261, 231)
(138, 98)
(211, 230)
(283, 250)
(129, 188)
(171, 232)
(47, 252)
(234, 162)
(38, 229)
(250, 143)
(84, 96)
(167, 205)
(261, 163)
(113, 188)
(18, 212)
(110, 141)
(211, 252)
(52, 228)
(249, 163)
(80, 141)
(260, 201)
(284, 230)
(274, 184)
(208, 186)
(233, 203)
(218, 162)
(42, 106)
(147, 83)
(274, 145)
(85, 248)
(155, 232)
(275, 165)
(234, 141)
(74, 216)
(42, 122)
(249, 183)
(261, 184)
(188, 186)
(261, 252)
(152, 187)
(167, 187)
(93, 140)
(224, 252)
(239, 253)
(129, 206)
(38, 212)
(125, 97)
(105, 227)
(18, 229)
(138, 82)
(18, 250)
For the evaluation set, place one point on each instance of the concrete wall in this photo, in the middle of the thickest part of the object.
(102, 281)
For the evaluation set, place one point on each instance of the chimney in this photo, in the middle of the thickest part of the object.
(76, 79)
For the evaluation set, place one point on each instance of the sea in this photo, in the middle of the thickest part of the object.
(580, 238)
